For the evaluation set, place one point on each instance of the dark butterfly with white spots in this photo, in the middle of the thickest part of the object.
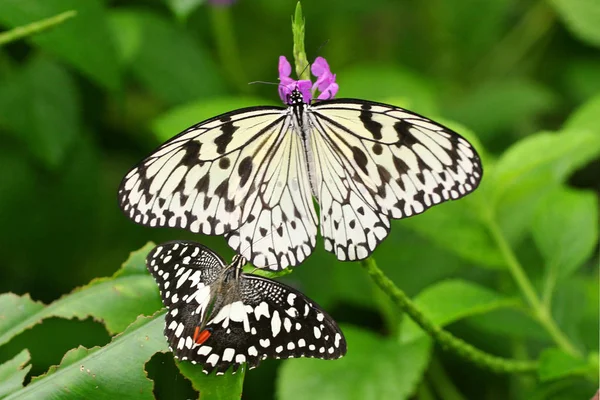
(220, 317)
(251, 175)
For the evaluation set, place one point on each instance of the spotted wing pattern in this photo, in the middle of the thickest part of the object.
(374, 162)
(241, 174)
(219, 317)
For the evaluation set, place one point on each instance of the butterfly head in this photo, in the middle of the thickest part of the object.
(295, 98)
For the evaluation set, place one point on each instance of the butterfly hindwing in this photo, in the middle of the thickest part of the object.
(225, 320)
(392, 163)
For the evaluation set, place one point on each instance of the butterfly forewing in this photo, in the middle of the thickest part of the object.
(199, 179)
(233, 318)
(392, 163)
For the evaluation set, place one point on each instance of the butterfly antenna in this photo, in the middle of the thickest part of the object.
(264, 83)
(322, 45)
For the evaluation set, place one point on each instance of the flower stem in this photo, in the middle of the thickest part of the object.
(223, 30)
(35, 27)
(444, 338)
(541, 312)
(300, 59)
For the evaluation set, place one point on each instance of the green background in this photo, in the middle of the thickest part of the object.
(82, 102)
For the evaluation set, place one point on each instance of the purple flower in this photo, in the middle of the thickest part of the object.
(325, 79)
(325, 83)
(288, 84)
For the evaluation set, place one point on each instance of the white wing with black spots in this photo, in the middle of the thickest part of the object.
(232, 318)
(375, 162)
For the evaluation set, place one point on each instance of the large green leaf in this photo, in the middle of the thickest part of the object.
(179, 118)
(214, 387)
(131, 291)
(164, 57)
(531, 169)
(374, 368)
(40, 107)
(585, 118)
(113, 371)
(451, 300)
(581, 17)
(83, 41)
(13, 373)
(565, 230)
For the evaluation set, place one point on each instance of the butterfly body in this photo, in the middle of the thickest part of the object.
(220, 317)
(251, 175)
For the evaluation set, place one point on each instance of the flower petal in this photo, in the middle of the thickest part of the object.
(285, 69)
(329, 92)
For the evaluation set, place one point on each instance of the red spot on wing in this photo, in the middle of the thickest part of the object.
(201, 336)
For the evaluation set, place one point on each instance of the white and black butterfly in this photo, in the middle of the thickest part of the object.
(219, 316)
(251, 175)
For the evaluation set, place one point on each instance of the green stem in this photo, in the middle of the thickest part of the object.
(35, 27)
(301, 61)
(541, 313)
(227, 49)
(444, 338)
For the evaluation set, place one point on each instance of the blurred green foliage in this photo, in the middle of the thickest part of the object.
(511, 269)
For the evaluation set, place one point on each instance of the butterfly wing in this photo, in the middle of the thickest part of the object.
(374, 162)
(268, 320)
(184, 272)
(241, 174)
(281, 223)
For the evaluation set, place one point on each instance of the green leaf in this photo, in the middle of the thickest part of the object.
(457, 227)
(13, 373)
(225, 387)
(374, 368)
(40, 108)
(164, 57)
(183, 8)
(581, 17)
(513, 323)
(585, 118)
(15, 311)
(565, 230)
(113, 371)
(451, 300)
(555, 363)
(531, 169)
(72, 40)
(182, 117)
(131, 291)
